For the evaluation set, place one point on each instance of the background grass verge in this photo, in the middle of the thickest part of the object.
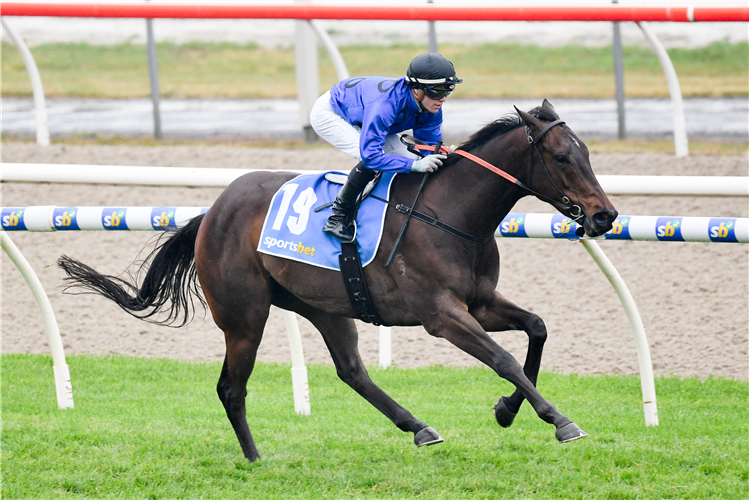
(155, 429)
(226, 70)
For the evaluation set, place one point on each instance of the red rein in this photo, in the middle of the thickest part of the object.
(471, 157)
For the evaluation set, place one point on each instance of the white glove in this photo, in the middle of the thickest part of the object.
(429, 164)
(453, 147)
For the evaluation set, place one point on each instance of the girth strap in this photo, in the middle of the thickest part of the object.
(353, 279)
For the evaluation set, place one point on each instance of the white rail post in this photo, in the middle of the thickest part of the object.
(681, 145)
(153, 78)
(307, 77)
(42, 132)
(63, 385)
(432, 34)
(299, 380)
(638, 330)
(385, 346)
(330, 47)
(619, 79)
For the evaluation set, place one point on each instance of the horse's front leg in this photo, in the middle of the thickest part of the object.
(451, 320)
(499, 315)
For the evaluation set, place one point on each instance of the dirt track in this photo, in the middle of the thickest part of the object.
(692, 296)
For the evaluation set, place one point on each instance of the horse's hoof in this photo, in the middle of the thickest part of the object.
(502, 414)
(570, 432)
(427, 436)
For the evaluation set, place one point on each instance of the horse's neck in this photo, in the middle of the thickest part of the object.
(478, 199)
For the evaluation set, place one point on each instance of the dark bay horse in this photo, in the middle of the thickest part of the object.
(444, 283)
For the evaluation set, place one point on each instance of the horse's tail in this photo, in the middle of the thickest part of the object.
(168, 287)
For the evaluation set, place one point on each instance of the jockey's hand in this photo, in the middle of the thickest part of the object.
(429, 164)
(453, 147)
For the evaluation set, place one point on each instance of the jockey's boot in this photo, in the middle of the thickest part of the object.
(341, 223)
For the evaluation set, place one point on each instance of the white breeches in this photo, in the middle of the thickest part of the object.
(330, 126)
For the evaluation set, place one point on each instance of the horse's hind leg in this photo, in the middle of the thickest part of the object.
(239, 362)
(501, 315)
(239, 298)
(342, 340)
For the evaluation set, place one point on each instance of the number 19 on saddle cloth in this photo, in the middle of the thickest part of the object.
(293, 230)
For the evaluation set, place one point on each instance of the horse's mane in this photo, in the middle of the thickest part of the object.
(505, 124)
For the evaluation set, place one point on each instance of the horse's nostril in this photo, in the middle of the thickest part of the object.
(604, 217)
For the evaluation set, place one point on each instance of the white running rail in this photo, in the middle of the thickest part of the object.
(660, 185)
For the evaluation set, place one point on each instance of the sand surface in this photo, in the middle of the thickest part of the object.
(692, 296)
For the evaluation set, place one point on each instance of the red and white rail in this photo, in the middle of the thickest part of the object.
(379, 12)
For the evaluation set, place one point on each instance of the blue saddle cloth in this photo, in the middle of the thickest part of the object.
(293, 230)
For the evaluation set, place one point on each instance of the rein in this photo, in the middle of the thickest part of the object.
(433, 221)
(533, 144)
(414, 145)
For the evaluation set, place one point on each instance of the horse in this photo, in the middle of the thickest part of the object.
(445, 283)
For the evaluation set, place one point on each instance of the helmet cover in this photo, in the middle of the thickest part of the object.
(431, 70)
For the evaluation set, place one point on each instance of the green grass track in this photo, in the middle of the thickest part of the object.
(155, 429)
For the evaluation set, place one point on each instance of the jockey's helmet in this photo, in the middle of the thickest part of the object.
(432, 73)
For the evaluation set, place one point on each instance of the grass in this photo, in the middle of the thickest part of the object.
(226, 70)
(155, 429)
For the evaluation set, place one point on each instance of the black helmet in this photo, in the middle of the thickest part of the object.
(431, 70)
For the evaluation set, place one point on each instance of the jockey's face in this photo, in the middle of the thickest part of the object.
(428, 104)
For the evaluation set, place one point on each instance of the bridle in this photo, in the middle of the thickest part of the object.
(576, 213)
(533, 144)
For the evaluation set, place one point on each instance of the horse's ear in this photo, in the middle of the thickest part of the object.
(547, 106)
(528, 119)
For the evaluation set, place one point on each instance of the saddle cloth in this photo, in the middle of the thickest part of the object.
(293, 230)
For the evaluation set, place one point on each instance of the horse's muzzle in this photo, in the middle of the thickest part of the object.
(600, 223)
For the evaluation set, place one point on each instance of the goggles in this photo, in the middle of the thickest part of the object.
(437, 94)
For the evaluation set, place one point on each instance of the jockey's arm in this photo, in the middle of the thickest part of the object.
(376, 124)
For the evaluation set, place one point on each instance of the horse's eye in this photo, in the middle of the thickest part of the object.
(561, 159)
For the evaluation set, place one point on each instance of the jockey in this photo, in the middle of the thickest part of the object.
(361, 116)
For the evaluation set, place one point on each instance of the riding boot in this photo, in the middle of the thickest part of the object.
(341, 223)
